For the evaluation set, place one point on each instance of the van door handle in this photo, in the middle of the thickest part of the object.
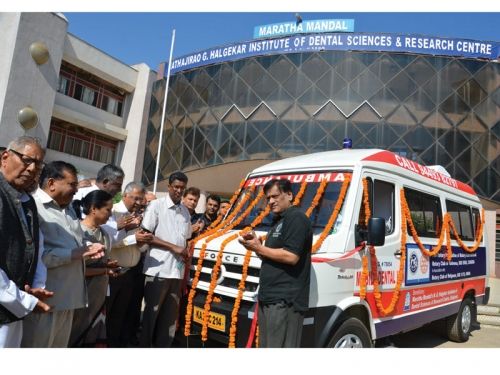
(398, 253)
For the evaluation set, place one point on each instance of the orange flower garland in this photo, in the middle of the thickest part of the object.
(241, 285)
(215, 269)
(334, 215)
(399, 281)
(257, 336)
(211, 234)
(317, 197)
(479, 235)
(364, 277)
(300, 193)
(405, 211)
(237, 302)
(211, 288)
(364, 260)
(217, 224)
(406, 220)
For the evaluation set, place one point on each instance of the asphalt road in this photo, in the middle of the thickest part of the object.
(431, 336)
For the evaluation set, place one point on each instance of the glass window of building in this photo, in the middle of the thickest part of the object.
(92, 90)
(75, 140)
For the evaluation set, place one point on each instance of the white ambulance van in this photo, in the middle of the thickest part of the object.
(428, 262)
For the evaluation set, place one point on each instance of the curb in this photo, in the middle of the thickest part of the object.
(488, 310)
(491, 320)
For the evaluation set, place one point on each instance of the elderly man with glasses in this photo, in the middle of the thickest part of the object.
(20, 241)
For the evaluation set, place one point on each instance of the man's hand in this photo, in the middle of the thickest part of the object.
(111, 263)
(182, 251)
(123, 221)
(94, 251)
(38, 292)
(42, 307)
(250, 241)
(41, 294)
(144, 237)
(133, 223)
(198, 226)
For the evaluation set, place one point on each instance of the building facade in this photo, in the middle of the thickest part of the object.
(229, 112)
(89, 108)
(441, 110)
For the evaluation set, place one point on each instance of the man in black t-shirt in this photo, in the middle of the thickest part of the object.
(285, 271)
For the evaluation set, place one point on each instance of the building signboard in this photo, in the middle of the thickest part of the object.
(312, 26)
(380, 42)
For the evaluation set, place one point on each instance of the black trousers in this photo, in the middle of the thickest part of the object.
(280, 326)
(123, 310)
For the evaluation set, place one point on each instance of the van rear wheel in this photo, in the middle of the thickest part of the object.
(351, 333)
(458, 326)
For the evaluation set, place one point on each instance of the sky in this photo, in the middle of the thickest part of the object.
(135, 37)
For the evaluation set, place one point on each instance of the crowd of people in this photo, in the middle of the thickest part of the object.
(76, 269)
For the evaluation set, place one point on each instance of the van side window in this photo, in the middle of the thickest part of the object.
(462, 217)
(381, 198)
(425, 210)
(383, 203)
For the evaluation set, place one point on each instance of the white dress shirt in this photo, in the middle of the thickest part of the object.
(172, 223)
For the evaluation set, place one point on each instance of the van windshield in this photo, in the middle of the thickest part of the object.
(319, 216)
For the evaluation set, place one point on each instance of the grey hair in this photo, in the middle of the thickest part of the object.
(131, 186)
(109, 172)
(23, 141)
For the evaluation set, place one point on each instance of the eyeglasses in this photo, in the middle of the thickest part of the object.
(27, 161)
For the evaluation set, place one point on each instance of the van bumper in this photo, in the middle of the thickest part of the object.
(216, 338)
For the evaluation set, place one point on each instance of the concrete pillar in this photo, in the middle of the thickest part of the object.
(136, 125)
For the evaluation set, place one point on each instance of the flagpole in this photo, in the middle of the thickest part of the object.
(163, 112)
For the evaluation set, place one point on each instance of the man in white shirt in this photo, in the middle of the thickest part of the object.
(164, 264)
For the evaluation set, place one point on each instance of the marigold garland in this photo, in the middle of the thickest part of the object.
(218, 223)
(218, 262)
(257, 336)
(364, 277)
(211, 288)
(479, 234)
(237, 301)
(406, 221)
(300, 193)
(364, 260)
(333, 216)
(241, 285)
(399, 281)
(210, 234)
(366, 201)
(317, 197)
(405, 211)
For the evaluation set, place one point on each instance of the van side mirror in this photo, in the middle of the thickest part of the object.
(376, 231)
(375, 235)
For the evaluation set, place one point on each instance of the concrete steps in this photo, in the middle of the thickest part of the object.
(489, 315)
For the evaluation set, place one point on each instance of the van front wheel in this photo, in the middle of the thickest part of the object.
(458, 326)
(352, 333)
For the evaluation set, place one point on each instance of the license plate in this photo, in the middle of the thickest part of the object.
(215, 321)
